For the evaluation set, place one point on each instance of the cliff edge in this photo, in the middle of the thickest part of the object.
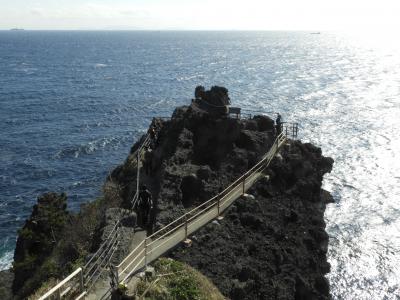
(269, 246)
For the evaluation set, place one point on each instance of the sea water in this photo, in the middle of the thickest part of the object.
(73, 103)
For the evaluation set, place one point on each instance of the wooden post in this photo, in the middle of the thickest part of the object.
(218, 203)
(138, 171)
(58, 293)
(293, 136)
(81, 285)
(145, 253)
(244, 185)
(186, 227)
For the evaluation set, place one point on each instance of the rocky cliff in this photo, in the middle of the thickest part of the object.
(270, 247)
(273, 246)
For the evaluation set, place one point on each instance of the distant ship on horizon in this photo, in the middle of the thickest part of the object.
(17, 29)
(317, 32)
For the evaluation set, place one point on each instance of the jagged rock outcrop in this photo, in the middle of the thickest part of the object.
(6, 280)
(54, 241)
(37, 239)
(215, 101)
(195, 155)
(272, 247)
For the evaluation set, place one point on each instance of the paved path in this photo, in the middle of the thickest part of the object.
(147, 249)
(157, 248)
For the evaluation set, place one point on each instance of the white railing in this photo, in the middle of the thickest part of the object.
(72, 283)
(139, 156)
(82, 279)
(175, 232)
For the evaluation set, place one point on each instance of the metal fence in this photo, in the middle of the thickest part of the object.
(79, 282)
(83, 279)
(169, 236)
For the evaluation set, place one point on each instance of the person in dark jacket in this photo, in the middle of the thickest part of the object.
(148, 161)
(145, 205)
(278, 126)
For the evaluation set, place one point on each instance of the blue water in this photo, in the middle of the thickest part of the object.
(72, 104)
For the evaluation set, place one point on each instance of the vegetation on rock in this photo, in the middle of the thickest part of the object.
(174, 280)
(54, 242)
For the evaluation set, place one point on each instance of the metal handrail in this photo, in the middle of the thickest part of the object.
(102, 245)
(192, 216)
(124, 260)
(225, 191)
(107, 260)
(101, 259)
(139, 153)
(105, 248)
(197, 215)
(62, 283)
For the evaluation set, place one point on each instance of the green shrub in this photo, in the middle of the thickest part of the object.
(175, 280)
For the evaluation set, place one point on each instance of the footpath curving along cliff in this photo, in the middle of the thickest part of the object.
(270, 247)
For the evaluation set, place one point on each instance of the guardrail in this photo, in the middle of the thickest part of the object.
(68, 285)
(169, 236)
(290, 129)
(83, 279)
(139, 155)
(100, 260)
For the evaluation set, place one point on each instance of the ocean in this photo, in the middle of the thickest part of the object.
(73, 103)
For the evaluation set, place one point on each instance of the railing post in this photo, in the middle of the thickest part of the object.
(292, 131)
(81, 284)
(116, 274)
(244, 184)
(138, 171)
(218, 203)
(186, 227)
(145, 253)
(58, 293)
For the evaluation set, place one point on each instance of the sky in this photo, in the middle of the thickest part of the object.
(200, 15)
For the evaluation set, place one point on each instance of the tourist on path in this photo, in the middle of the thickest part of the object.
(145, 205)
(148, 161)
(278, 126)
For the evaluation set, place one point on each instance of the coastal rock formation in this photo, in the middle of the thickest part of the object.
(37, 239)
(194, 156)
(54, 241)
(6, 280)
(215, 101)
(274, 246)
(271, 247)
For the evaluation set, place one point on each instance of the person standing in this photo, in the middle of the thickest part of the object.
(145, 205)
(148, 161)
(278, 126)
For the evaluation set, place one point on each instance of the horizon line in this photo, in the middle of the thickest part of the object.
(106, 29)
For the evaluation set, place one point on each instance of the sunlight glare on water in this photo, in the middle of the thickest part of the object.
(364, 223)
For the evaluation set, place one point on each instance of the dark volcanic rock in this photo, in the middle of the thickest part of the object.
(37, 239)
(196, 155)
(6, 279)
(53, 241)
(270, 247)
